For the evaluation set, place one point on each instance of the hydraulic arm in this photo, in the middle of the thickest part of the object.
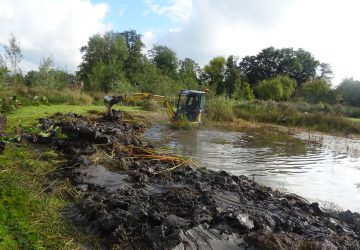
(112, 100)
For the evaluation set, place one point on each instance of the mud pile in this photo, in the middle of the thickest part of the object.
(135, 199)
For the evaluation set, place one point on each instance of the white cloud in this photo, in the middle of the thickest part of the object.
(121, 10)
(328, 29)
(176, 10)
(148, 39)
(51, 27)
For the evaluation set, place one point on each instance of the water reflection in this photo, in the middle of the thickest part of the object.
(320, 168)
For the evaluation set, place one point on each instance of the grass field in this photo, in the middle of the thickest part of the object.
(31, 203)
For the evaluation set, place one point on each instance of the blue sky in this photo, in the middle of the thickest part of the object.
(127, 14)
(199, 29)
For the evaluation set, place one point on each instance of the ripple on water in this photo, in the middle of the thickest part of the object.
(320, 168)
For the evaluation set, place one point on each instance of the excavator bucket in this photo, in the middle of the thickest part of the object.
(110, 101)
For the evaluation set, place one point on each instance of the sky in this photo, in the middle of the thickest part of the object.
(199, 29)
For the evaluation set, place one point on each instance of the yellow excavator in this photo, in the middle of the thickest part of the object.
(190, 104)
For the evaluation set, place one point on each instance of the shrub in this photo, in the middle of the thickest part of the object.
(245, 92)
(279, 88)
(317, 91)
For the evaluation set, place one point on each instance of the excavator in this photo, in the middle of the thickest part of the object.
(190, 104)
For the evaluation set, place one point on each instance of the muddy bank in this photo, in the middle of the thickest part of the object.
(134, 198)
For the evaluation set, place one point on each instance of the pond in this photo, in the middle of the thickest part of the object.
(320, 168)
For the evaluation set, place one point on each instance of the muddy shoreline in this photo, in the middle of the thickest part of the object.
(133, 198)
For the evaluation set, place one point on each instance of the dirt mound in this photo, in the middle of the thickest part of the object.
(134, 198)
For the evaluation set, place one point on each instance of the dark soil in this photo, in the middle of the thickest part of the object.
(133, 199)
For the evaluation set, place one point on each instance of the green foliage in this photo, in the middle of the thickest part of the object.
(103, 61)
(165, 60)
(245, 92)
(188, 73)
(288, 86)
(321, 119)
(220, 109)
(269, 90)
(134, 62)
(3, 70)
(48, 76)
(278, 88)
(232, 77)
(123, 87)
(8, 104)
(317, 91)
(215, 71)
(349, 89)
(299, 65)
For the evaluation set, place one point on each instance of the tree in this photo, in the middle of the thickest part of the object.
(134, 62)
(215, 71)
(47, 75)
(165, 60)
(305, 67)
(189, 71)
(244, 92)
(326, 72)
(3, 70)
(14, 55)
(349, 89)
(317, 91)
(299, 65)
(232, 77)
(103, 61)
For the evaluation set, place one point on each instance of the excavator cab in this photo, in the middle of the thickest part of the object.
(191, 103)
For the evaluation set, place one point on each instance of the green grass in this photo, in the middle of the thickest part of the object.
(30, 216)
(356, 120)
(30, 210)
(29, 115)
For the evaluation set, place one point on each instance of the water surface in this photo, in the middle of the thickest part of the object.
(325, 169)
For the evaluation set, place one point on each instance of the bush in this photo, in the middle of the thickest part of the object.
(245, 92)
(317, 91)
(279, 88)
(269, 90)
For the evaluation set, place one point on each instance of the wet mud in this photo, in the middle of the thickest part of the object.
(133, 198)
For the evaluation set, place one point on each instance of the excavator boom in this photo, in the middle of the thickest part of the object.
(112, 100)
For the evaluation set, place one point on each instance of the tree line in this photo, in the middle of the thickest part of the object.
(116, 62)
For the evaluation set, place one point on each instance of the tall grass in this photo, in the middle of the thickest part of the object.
(220, 109)
(320, 117)
(53, 96)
